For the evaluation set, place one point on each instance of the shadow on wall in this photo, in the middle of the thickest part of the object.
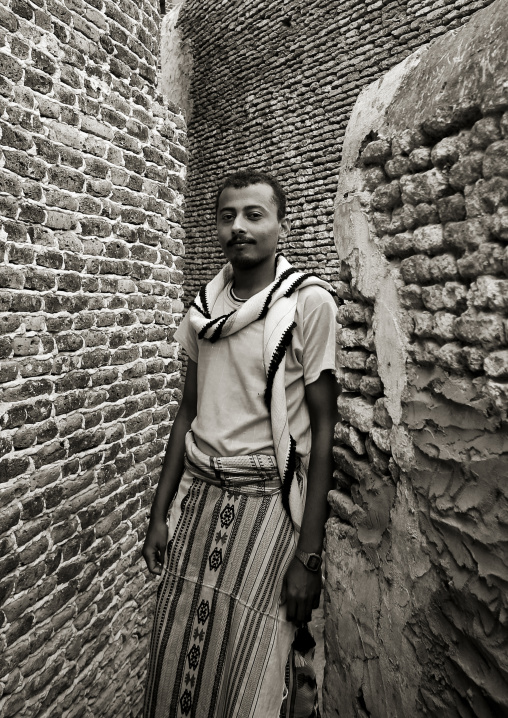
(417, 572)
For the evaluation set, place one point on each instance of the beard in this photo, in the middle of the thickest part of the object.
(241, 262)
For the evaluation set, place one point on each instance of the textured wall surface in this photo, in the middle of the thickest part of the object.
(417, 572)
(91, 178)
(273, 87)
(176, 61)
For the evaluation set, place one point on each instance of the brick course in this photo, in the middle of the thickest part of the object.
(90, 281)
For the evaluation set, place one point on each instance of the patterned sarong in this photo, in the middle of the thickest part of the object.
(220, 640)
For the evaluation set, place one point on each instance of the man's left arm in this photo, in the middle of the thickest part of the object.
(302, 587)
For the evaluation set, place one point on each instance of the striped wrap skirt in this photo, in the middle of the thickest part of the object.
(220, 640)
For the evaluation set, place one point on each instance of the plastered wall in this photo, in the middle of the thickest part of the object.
(92, 162)
(416, 565)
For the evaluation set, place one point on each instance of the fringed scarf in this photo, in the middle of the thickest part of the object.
(277, 304)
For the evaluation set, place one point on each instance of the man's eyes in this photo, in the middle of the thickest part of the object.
(252, 216)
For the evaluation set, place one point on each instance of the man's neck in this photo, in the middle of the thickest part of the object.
(248, 282)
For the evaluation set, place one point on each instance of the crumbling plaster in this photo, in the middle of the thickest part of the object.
(416, 567)
(459, 71)
(371, 274)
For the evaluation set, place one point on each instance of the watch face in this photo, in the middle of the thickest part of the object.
(314, 563)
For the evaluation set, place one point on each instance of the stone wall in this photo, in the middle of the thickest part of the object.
(91, 178)
(416, 572)
(273, 87)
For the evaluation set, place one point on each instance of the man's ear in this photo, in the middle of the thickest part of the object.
(285, 227)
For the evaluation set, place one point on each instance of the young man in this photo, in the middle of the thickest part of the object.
(246, 474)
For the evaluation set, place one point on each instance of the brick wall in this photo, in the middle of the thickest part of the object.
(91, 178)
(416, 550)
(273, 87)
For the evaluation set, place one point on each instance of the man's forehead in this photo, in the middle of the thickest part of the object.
(254, 194)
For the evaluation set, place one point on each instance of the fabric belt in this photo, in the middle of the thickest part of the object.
(253, 475)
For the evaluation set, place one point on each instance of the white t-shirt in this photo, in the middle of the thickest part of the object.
(232, 418)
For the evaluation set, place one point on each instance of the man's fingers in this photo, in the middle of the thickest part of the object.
(151, 556)
(298, 609)
(160, 556)
(153, 565)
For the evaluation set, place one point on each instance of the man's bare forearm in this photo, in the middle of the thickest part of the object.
(321, 400)
(172, 468)
(319, 483)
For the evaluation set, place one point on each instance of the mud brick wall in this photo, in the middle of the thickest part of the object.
(273, 87)
(416, 569)
(91, 178)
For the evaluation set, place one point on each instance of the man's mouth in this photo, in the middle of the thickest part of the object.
(239, 241)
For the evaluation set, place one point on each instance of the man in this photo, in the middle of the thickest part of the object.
(246, 474)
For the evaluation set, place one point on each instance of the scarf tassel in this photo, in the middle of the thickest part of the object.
(204, 301)
(280, 279)
(289, 474)
(203, 331)
(218, 329)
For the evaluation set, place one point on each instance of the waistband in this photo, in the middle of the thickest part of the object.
(253, 475)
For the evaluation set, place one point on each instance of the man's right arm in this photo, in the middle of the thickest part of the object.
(156, 540)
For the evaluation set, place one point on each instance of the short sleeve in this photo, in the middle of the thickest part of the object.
(186, 336)
(319, 333)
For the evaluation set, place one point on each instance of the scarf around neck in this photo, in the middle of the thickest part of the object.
(276, 303)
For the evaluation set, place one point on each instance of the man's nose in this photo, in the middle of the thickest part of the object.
(237, 225)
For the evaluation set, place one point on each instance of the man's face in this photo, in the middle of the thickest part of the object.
(247, 225)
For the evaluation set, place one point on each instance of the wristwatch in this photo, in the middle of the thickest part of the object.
(312, 561)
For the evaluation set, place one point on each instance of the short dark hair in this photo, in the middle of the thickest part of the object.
(244, 178)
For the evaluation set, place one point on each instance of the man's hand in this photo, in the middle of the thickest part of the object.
(155, 544)
(301, 590)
